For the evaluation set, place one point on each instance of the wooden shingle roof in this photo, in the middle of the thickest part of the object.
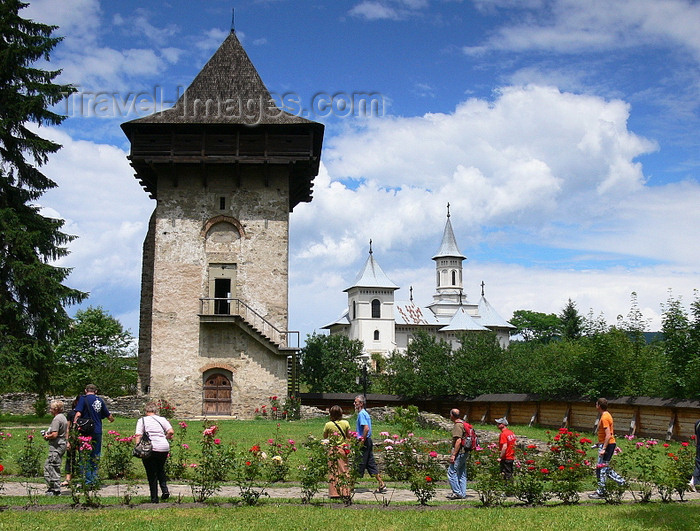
(228, 90)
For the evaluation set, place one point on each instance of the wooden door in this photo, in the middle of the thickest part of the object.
(217, 395)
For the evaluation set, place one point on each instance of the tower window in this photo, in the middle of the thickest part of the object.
(454, 278)
(376, 309)
(222, 203)
(354, 310)
(376, 335)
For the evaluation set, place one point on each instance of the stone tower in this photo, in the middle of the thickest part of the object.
(226, 167)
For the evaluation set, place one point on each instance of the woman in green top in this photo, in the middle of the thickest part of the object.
(337, 433)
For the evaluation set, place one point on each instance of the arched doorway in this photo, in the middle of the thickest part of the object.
(217, 394)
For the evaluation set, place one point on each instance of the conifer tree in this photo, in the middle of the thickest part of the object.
(571, 321)
(32, 294)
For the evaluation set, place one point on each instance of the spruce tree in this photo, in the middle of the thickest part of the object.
(571, 322)
(32, 293)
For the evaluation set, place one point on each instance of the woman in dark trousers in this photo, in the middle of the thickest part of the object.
(159, 432)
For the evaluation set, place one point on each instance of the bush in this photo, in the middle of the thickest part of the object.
(214, 467)
(405, 419)
(176, 465)
(315, 470)
(279, 451)
(530, 483)
(568, 464)
(423, 477)
(30, 459)
(117, 459)
(485, 469)
(250, 471)
(402, 455)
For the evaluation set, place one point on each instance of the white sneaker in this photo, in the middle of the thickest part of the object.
(691, 485)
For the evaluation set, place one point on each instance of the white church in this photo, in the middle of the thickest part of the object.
(385, 325)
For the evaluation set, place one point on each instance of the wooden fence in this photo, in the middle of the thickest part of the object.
(640, 416)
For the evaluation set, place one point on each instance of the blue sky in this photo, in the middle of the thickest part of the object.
(563, 133)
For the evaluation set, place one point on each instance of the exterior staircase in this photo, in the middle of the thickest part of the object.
(216, 310)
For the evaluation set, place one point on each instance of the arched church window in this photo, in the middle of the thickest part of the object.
(438, 278)
(376, 309)
(454, 277)
(354, 310)
(376, 335)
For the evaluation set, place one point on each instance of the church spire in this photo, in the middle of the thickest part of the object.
(372, 275)
(448, 247)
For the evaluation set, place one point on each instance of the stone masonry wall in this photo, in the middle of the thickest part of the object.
(23, 404)
(182, 347)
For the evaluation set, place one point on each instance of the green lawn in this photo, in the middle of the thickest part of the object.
(654, 516)
(244, 433)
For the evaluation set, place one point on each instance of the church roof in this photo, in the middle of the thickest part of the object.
(490, 317)
(408, 313)
(372, 276)
(343, 320)
(448, 247)
(228, 90)
(462, 321)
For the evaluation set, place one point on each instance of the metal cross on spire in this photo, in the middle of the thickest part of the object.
(482, 288)
(448, 210)
(370, 246)
(233, 20)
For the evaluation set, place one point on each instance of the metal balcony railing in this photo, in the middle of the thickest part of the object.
(238, 308)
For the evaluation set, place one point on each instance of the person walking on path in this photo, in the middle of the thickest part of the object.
(93, 407)
(159, 431)
(695, 478)
(606, 449)
(364, 433)
(506, 444)
(337, 432)
(56, 436)
(457, 471)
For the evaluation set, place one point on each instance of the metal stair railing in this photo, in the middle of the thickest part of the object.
(238, 308)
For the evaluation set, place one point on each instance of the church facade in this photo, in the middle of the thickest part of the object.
(384, 324)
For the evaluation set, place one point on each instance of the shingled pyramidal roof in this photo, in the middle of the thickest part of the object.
(228, 90)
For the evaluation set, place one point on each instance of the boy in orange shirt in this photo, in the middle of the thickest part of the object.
(606, 445)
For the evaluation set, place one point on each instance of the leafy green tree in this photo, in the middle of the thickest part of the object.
(32, 294)
(680, 343)
(331, 364)
(536, 326)
(693, 366)
(603, 367)
(425, 369)
(593, 325)
(479, 366)
(571, 321)
(548, 370)
(96, 349)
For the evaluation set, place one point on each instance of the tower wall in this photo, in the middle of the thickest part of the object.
(182, 347)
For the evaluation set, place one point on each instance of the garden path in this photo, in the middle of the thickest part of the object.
(184, 493)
